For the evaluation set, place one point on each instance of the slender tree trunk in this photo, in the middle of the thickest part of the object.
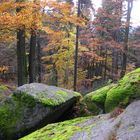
(76, 49)
(21, 58)
(66, 76)
(21, 55)
(106, 59)
(39, 59)
(125, 48)
(32, 58)
(55, 76)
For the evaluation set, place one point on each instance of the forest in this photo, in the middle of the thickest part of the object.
(67, 44)
(79, 55)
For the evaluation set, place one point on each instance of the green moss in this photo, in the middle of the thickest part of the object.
(60, 131)
(109, 97)
(96, 99)
(14, 107)
(99, 95)
(67, 130)
(126, 89)
(2, 88)
(25, 99)
(56, 98)
(10, 114)
(77, 94)
(91, 106)
(3, 91)
(12, 111)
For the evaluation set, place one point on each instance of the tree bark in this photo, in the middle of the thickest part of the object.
(21, 55)
(21, 58)
(76, 49)
(32, 58)
(125, 47)
(39, 59)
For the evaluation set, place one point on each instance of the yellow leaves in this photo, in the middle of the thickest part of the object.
(18, 15)
(42, 15)
(8, 19)
(48, 30)
(5, 6)
(3, 69)
(4, 20)
(6, 37)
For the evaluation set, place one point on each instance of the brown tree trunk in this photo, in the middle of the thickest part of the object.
(32, 58)
(39, 59)
(21, 55)
(76, 49)
(105, 63)
(21, 58)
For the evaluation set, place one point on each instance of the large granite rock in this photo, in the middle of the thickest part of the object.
(120, 94)
(125, 126)
(31, 106)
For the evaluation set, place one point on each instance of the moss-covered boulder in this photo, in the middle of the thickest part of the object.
(111, 96)
(31, 106)
(96, 99)
(125, 126)
(76, 129)
(127, 89)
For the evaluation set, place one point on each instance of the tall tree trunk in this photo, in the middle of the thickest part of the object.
(105, 63)
(125, 47)
(21, 58)
(32, 58)
(21, 55)
(39, 59)
(55, 76)
(76, 49)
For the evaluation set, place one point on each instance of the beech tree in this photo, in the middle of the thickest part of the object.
(21, 53)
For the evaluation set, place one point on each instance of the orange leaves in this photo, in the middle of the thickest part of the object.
(3, 69)
(17, 15)
(33, 15)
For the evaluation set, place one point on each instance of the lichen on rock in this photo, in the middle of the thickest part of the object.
(47, 95)
(125, 126)
(63, 130)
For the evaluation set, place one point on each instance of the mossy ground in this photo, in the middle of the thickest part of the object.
(59, 131)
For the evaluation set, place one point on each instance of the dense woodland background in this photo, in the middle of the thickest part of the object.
(66, 44)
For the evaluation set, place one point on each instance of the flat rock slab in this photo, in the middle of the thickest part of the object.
(31, 106)
(126, 126)
(48, 95)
